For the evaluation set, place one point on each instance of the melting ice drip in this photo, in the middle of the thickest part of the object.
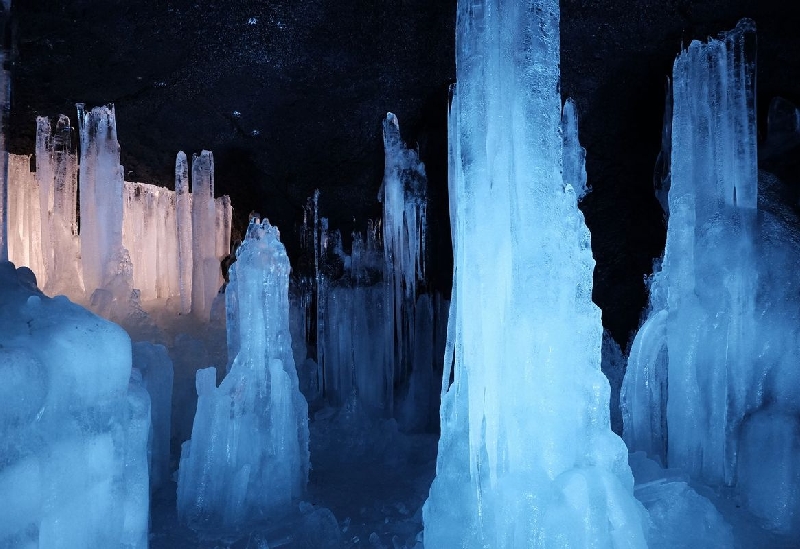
(527, 457)
(712, 381)
(248, 456)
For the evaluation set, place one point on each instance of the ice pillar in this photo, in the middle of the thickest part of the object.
(57, 175)
(685, 346)
(101, 196)
(404, 210)
(248, 456)
(183, 201)
(206, 270)
(526, 457)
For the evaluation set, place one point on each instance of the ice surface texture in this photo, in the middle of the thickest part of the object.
(248, 456)
(156, 251)
(712, 382)
(527, 457)
(74, 424)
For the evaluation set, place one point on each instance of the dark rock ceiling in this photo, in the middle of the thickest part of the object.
(312, 79)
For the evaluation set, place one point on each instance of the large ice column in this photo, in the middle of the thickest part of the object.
(101, 196)
(404, 208)
(708, 267)
(206, 271)
(57, 175)
(74, 424)
(248, 456)
(712, 380)
(183, 200)
(526, 457)
(24, 215)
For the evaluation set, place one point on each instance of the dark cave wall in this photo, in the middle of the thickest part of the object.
(312, 80)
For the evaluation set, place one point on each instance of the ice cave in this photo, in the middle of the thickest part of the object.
(470, 274)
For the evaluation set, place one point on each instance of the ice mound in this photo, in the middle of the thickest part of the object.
(74, 425)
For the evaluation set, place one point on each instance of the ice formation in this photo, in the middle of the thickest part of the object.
(154, 254)
(404, 211)
(74, 425)
(712, 382)
(526, 457)
(206, 271)
(248, 456)
(101, 197)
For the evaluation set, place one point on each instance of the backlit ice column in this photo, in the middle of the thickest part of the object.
(57, 175)
(206, 271)
(404, 206)
(526, 457)
(248, 456)
(101, 197)
(183, 201)
(24, 215)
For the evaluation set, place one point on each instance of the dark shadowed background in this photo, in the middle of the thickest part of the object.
(290, 95)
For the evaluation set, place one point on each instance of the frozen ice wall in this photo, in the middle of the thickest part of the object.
(101, 197)
(712, 380)
(74, 423)
(526, 457)
(150, 232)
(248, 456)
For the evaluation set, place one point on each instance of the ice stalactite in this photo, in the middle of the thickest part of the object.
(711, 383)
(248, 456)
(526, 457)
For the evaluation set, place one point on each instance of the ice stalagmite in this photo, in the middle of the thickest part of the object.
(526, 457)
(206, 271)
(248, 456)
(101, 198)
(712, 379)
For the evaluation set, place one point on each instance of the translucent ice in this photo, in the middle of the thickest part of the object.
(206, 271)
(526, 456)
(101, 197)
(248, 456)
(74, 423)
(712, 380)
